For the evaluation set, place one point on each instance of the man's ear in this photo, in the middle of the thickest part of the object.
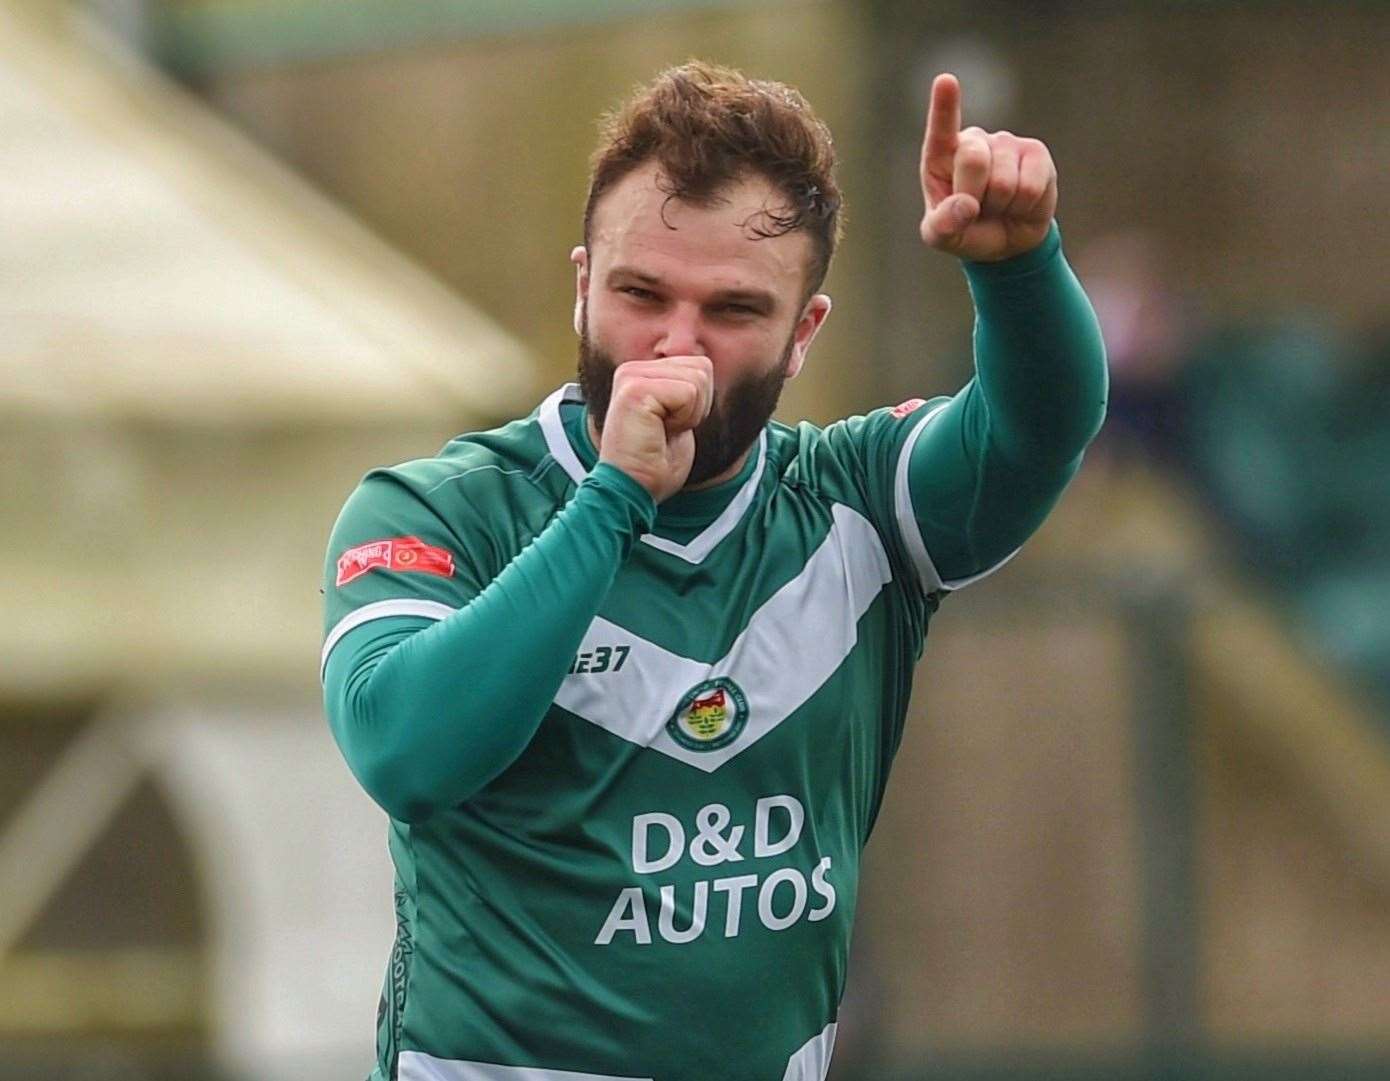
(808, 325)
(580, 258)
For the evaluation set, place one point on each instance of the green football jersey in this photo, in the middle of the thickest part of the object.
(663, 884)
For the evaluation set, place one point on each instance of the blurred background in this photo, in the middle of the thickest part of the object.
(1140, 824)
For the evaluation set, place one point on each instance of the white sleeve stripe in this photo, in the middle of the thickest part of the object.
(927, 576)
(927, 573)
(380, 610)
(961, 583)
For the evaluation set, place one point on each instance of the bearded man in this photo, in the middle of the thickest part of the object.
(628, 674)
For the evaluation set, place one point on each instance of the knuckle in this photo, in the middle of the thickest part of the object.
(972, 156)
(632, 395)
(1028, 193)
(1001, 185)
(624, 374)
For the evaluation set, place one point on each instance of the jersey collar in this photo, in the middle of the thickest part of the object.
(698, 547)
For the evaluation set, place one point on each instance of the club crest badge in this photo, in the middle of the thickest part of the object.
(709, 716)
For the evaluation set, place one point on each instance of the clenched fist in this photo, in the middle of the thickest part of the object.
(988, 195)
(649, 431)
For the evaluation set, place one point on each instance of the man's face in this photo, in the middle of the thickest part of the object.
(664, 278)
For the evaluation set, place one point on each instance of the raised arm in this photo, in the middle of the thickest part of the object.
(990, 464)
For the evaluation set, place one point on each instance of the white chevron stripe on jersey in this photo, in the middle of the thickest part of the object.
(812, 1062)
(791, 646)
(704, 542)
(418, 1066)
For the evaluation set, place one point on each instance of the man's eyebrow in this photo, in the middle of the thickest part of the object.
(634, 273)
(761, 299)
(756, 298)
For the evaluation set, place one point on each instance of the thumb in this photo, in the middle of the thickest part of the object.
(951, 217)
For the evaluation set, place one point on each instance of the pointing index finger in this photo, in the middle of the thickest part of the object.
(943, 127)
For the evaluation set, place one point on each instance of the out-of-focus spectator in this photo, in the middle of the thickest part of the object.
(1283, 427)
(1149, 330)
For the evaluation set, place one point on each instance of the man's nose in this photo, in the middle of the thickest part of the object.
(681, 335)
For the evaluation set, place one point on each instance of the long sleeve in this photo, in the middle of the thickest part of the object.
(993, 461)
(427, 713)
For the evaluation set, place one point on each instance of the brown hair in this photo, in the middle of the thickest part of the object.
(705, 126)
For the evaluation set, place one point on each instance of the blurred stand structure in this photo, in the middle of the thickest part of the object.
(1140, 824)
(200, 356)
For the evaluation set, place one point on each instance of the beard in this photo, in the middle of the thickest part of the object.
(734, 420)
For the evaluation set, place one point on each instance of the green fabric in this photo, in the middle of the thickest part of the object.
(632, 757)
(393, 696)
(983, 475)
(994, 461)
(742, 694)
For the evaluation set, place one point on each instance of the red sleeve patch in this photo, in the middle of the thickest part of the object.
(396, 554)
(902, 409)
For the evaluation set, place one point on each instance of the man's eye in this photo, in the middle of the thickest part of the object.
(638, 293)
(740, 309)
